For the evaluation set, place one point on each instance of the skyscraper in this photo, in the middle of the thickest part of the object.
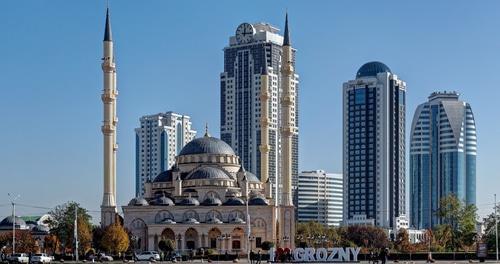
(374, 145)
(442, 156)
(157, 141)
(108, 206)
(255, 50)
(320, 197)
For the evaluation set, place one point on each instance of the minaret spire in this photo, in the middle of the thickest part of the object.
(107, 29)
(287, 100)
(286, 39)
(108, 97)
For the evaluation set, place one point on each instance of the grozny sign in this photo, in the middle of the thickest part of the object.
(337, 254)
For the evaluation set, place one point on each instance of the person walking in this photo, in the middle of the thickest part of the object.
(383, 255)
(259, 257)
(251, 257)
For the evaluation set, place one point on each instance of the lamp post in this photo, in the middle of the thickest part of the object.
(13, 202)
(496, 226)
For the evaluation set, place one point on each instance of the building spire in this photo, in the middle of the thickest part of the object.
(107, 30)
(206, 130)
(286, 39)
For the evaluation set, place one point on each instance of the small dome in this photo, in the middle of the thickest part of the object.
(237, 220)
(214, 220)
(252, 177)
(234, 201)
(163, 201)
(165, 176)
(139, 201)
(189, 201)
(7, 222)
(191, 221)
(212, 201)
(206, 145)
(257, 201)
(168, 221)
(208, 172)
(371, 69)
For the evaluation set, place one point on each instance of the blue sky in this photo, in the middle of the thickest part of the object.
(169, 57)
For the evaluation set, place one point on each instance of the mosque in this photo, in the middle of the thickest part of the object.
(207, 199)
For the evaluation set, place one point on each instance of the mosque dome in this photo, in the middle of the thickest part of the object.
(212, 201)
(252, 177)
(208, 173)
(189, 201)
(8, 221)
(139, 201)
(371, 69)
(163, 201)
(257, 201)
(165, 176)
(234, 201)
(237, 220)
(206, 145)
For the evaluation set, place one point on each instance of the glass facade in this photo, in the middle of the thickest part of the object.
(442, 157)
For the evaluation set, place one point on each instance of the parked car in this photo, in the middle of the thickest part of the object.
(18, 258)
(40, 258)
(148, 255)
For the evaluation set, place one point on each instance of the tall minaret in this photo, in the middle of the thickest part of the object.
(264, 131)
(108, 207)
(287, 99)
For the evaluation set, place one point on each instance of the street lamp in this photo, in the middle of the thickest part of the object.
(13, 202)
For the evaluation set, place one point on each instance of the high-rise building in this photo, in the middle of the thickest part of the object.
(108, 129)
(157, 141)
(374, 145)
(320, 197)
(258, 49)
(442, 156)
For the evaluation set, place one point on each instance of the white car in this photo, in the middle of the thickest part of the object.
(18, 258)
(41, 258)
(148, 255)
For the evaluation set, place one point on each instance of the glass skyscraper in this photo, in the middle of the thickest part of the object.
(374, 146)
(159, 139)
(320, 197)
(442, 156)
(253, 49)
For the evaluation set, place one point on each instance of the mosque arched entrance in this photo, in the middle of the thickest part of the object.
(213, 234)
(191, 236)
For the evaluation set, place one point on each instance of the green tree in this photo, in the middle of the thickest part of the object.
(489, 232)
(115, 239)
(267, 245)
(166, 245)
(63, 222)
(459, 223)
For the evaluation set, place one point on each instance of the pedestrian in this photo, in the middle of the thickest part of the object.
(251, 257)
(383, 255)
(259, 257)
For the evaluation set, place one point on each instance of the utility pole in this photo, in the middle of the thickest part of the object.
(496, 226)
(13, 202)
(248, 221)
(75, 234)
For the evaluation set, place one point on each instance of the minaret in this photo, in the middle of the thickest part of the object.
(264, 125)
(108, 207)
(287, 99)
